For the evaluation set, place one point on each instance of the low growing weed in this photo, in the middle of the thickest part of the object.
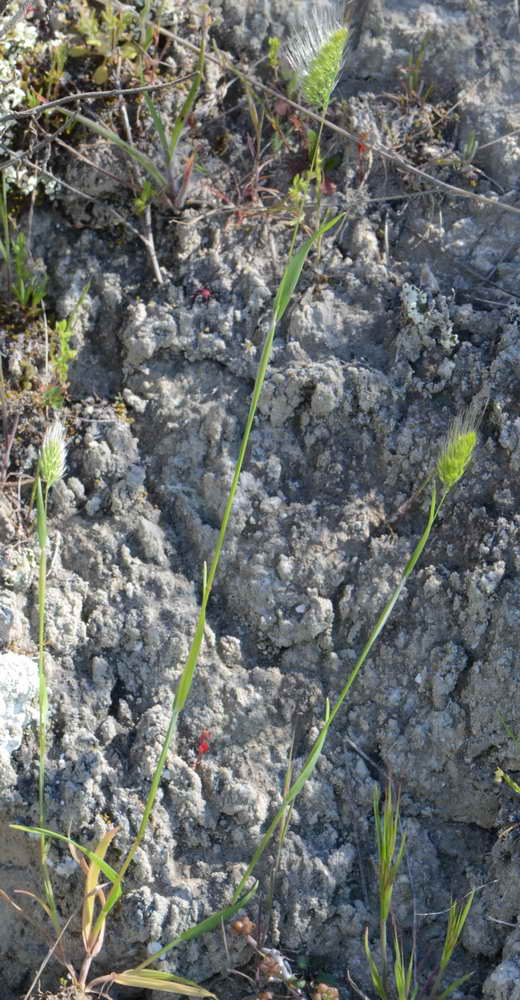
(169, 179)
(23, 283)
(105, 33)
(394, 971)
(60, 356)
(318, 68)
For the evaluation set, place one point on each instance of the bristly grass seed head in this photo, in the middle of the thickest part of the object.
(316, 54)
(458, 446)
(53, 454)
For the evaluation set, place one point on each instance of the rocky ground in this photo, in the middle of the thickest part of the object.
(409, 312)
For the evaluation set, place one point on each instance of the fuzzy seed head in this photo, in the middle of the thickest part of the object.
(316, 54)
(53, 454)
(458, 447)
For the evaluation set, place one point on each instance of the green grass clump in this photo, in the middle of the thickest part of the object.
(394, 972)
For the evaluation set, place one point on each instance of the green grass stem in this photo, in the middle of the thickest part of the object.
(169, 143)
(43, 702)
(457, 916)
(403, 972)
(330, 714)
(390, 856)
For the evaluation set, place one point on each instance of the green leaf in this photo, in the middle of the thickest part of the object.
(101, 75)
(190, 100)
(90, 940)
(454, 986)
(41, 517)
(144, 161)
(149, 979)
(294, 790)
(374, 971)
(107, 870)
(209, 924)
(157, 120)
(292, 272)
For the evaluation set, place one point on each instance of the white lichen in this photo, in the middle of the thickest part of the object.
(18, 698)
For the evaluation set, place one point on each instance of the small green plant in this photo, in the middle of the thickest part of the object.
(144, 198)
(502, 776)
(297, 195)
(106, 33)
(61, 354)
(28, 286)
(470, 148)
(170, 180)
(51, 469)
(23, 282)
(273, 53)
(393, 973)
(413, 73)
(54, 395)
(54, 77)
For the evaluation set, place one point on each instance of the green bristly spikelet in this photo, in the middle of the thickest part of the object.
(459, 444)
(320, 79)
(316, 52)
(455, 459)
(53, 455)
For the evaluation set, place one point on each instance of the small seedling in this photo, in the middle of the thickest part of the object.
(25, 284)
(469, 149)
(106, 34)
(393, 974)
(273, 53)
(61, 354)
(413, 73)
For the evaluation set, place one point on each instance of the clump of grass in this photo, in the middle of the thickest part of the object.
(166, 179)
(25, 284)
(394, 974)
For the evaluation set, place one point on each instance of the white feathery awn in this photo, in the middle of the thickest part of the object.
(316, 53)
